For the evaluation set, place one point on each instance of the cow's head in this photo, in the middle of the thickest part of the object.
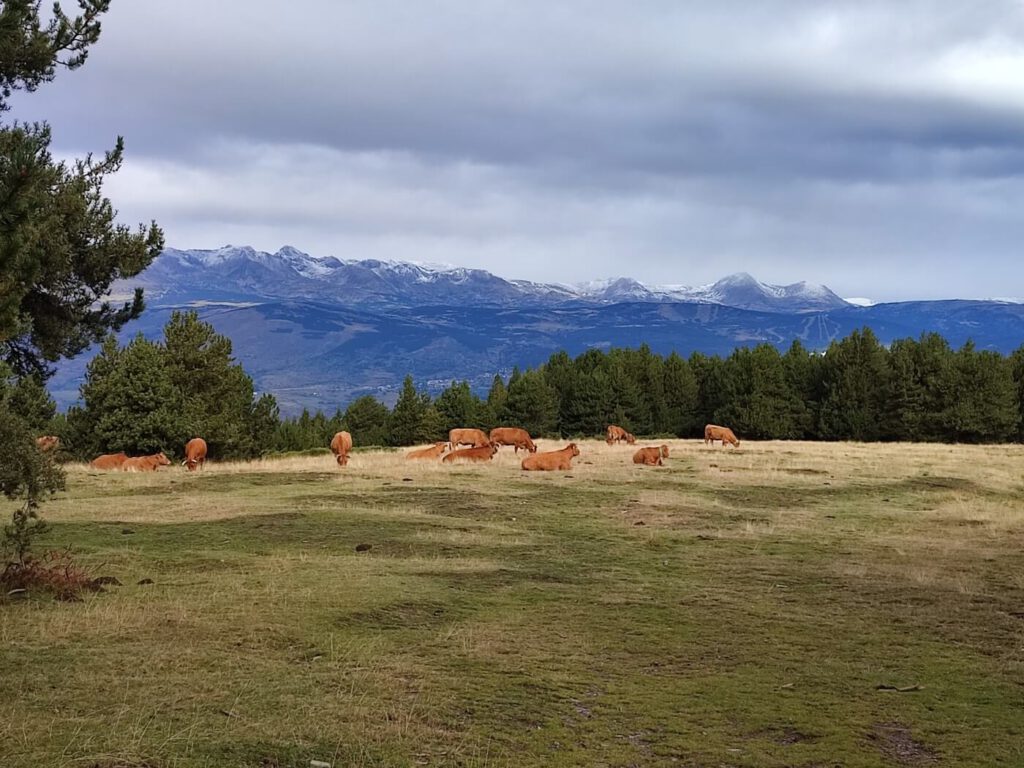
(531, 446)
(494, 448)
(574, 450)
(630, 438)
(664, 451)
(161, 459)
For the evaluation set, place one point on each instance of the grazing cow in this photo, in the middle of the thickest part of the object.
(145, 463)
(433, 452)
(651, 456)
(48, 443)
(520, 438)
(552, 460)
(195, 454)
(615, 434)
(473, 437)
(341, 447)
(109, 461)
(480, 453)
(726, 435)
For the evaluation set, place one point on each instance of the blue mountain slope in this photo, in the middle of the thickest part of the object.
(321, 355)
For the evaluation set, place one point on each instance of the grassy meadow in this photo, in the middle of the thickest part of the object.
(786, 604)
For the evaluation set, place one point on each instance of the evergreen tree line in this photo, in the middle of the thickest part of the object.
(913, 390)
(151, 396)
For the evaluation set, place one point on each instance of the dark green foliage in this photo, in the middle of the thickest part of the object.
(413, 420)
(216, 395)
(30, 51)
(1017, 370)
(681, 406)
(130, 403)
(983, 405)
(61, 248)
(497, 398)
(763, 404)
(29, 399)
(457, 407)
(855, 379)
(152, 396)
(855, 390)
(60, 244)
(532, 404)
(367, 420)
(27, 475)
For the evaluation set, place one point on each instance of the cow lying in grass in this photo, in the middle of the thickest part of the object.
(483, 453)
(651, 456)
(145, 463)
(552, 460)
(433, 452)
(109, 461)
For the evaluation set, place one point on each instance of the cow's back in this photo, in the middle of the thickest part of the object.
(432, 452)
(109, 461)
(481, 453)
(467, 436)
(650, 456)
(551, 460)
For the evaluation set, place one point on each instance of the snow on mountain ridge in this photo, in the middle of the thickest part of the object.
(357, 280)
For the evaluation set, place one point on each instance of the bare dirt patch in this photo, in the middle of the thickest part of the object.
(894, 741)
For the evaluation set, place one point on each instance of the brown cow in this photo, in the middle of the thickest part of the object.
(651, 456)
(109, 461)
(552, 460)
(473, 437)
(615, 434)
(145, 463)
(433, 452)
(520, 438)
(341, 447)
(726, 435)
(48, 443)
(480, 453)
(195, 454)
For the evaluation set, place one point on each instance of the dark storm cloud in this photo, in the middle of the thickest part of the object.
(872, 146)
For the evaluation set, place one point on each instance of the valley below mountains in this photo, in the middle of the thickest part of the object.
(318, 332)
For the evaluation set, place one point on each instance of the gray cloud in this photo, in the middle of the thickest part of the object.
(874, 147)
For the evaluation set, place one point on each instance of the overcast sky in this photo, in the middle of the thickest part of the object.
(877, 147)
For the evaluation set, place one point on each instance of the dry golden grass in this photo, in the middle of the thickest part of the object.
(735, 607)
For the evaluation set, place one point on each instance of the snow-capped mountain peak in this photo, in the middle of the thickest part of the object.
(291, 273)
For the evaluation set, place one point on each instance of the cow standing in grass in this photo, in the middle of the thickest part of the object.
(471, 437)
(195, 454)
(341, 447)
(514, 436)
(713, 432)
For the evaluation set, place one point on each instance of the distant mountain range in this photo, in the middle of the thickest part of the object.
(291, 274)
(318, 332)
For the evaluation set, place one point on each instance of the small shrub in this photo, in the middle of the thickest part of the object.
(54, 573)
